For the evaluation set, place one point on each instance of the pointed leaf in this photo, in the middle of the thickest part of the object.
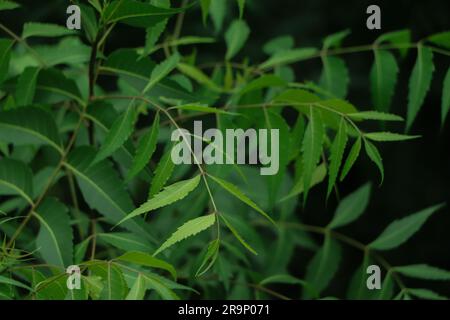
(383, 79)
(401, 230)
(162, 70)
(388, 136)
(375, 115)
(169, 195)
(236, 36)
(351, 158)
(288, 57)
(337, 152)
(423, 271)
(162, 174)
(16, 179)
(188, 229)
(445, 106)
(144, 259)
(37, 29)
(137, 291)
(419, 83)
(375, 156)
(334, 78)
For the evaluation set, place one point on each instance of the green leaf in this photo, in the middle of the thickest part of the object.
(69, 50)
(265, 81)
(351, 207)
(120, 131)
(204, 109)
(146, 148)
(144, 259)
(55, 239)
(426, 294)
(351, 158)
(169, 195)
(37, 29)
(237, 235)
(337, 152)
(319, 174)
(209, 258)
(188, 229)
(26, 86)
(114, 285)
(29, 125)
(205, 5)
(334, 78)
(423, 271)
(375, 156)
(137, 14)
(199, 76)
(374, 115)
(441, 39)
(400, 39)
(137, 291)
(241, 4)
(162, 174)
(445, 106)
(16, 179)
(401, 230)
(312, 147)
(10, 281)
(103, 190)
(5, 56)
(8, 5)
(324, 265)
(388, 136)
(232, 189)
(125, 241)
(288, 57)
(162, 70)
(419, 83)
(236, 36)
(281, 43)
(335, 40)
(53, 83)
(383, 79)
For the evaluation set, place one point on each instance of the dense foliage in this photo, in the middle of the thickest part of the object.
(87, 179)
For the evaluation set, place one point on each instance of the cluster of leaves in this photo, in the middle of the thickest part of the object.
(76, 157)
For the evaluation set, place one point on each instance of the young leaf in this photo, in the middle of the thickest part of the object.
(374, 115)
(351, 207)
(335, 39)
(236, 36)
(375, 156)
(188, 229)
(337, 152)
(232, 189)
(36, 29)
(162, 70)
(26, 86)
(383, 79)
(312, 147)
(169, 195)
(119, 133)
(266, 81)
(288, 57)
(400, 38)
(144, 259)
(55, 239)
(445, 106)
(237, 235)
(419, 82)
(351, 158)
(334, 78)
(198, 76)
(162, 174)
(423, 271)
(388, 136)
(401, 230)
(137, 291)
(146, 148)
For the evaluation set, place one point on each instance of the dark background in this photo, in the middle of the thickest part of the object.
(417, 173)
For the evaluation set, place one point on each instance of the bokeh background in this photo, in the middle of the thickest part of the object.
(417, 172)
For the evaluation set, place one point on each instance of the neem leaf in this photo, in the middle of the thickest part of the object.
(351, 207)
(169, 195)
(383, 79)
(37, 29)
(423, 271)
(388, 136)
(236, 36)
(145, 259)
(445, 106)
(337, 152)
(401, 230)
(188, 229)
